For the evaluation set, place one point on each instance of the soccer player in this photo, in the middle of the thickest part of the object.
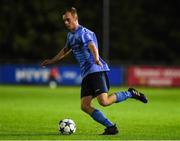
(95, 84)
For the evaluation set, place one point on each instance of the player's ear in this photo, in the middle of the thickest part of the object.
(75, 17)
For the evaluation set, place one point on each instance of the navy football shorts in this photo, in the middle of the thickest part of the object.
(94, 84)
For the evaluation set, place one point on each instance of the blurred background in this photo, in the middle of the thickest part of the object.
(139, 39)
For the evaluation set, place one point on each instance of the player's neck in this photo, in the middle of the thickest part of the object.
(75, 27)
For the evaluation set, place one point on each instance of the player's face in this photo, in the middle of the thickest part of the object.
(70, 21)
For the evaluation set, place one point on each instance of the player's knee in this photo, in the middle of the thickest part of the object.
(103, 103)
(85, 108)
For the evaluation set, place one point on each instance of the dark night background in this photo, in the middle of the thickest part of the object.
(141, 32)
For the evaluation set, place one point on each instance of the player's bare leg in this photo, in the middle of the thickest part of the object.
(105, 100)
(98, 116)
(86, 104)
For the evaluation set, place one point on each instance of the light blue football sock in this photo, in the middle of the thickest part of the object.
(99, 117)
(121, 96)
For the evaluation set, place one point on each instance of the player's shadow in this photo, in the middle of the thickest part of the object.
(42, 134)
(28, 134)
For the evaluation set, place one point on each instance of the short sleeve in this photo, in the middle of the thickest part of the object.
(87, 37)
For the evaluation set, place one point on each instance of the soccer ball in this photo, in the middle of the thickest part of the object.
(67, 126)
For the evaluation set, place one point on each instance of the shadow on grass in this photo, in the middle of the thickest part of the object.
(42, 134)
(28, 134)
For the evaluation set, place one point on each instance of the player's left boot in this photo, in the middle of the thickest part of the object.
(111, 130)
(137, 95)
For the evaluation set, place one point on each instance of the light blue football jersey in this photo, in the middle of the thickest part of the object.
(78, 41)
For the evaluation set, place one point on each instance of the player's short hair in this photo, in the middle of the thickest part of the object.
(72, 10)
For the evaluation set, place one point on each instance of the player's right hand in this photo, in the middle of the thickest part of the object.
(46, 62)
(98, 62)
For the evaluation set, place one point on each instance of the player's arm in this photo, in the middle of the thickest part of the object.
(62, 53)
(95, 53)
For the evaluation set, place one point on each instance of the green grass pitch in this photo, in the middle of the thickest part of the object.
(33, 112)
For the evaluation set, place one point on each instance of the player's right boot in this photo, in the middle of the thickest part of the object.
(111, 130)
(137, 95)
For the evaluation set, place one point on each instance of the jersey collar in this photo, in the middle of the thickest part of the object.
(77, 28)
